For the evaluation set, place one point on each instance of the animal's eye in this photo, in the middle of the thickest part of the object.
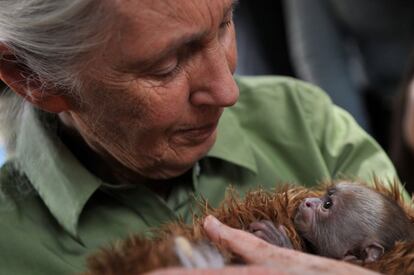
(327, 204)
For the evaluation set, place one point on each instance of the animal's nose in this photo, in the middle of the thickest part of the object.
(312, 202)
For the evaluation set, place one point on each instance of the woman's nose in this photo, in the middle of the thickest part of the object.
(222, 92)
(215, 85)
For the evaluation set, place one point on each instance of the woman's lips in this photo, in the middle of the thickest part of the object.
(197, 134)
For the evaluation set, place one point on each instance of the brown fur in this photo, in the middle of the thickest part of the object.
(138, 255)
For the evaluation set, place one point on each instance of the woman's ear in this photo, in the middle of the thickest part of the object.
(19, 79)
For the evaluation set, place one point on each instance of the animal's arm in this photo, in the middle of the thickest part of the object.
(268, 232)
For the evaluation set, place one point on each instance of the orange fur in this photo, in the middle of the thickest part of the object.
(138, 255)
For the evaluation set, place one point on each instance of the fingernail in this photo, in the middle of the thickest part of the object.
(212, 225)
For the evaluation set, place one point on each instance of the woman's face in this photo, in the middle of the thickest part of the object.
(161, 84)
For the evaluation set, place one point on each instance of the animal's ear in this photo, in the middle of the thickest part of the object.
(373, 252)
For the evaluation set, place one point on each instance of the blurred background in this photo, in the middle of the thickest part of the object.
(356, 50)
(2, 155)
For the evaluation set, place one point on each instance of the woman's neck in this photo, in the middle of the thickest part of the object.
(106, 167)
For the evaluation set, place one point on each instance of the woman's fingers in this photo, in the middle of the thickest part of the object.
(252, 249)
(230, 270)
(256, 251)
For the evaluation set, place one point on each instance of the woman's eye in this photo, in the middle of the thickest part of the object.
(164, 72)
(167, 71)
(327, 204)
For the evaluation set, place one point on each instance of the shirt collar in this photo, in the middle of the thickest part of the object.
(61, 181)
(232, 144)
(65, 185)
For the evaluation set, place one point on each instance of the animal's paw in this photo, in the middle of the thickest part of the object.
(267, 231)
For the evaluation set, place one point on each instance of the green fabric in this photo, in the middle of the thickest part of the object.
(54, 212)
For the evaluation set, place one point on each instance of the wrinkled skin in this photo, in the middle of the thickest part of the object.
(265, 258)
(158, 88)
(154, 118)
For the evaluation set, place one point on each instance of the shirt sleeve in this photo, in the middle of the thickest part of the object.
(346, 148)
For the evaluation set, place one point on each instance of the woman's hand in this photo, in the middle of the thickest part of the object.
(258, 252)
(264, 258)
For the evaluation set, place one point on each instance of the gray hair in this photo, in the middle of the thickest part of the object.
(54, 39)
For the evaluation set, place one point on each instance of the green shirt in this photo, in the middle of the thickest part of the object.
(54, 212)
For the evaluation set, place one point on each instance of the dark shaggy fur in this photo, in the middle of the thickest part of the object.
(137, 255)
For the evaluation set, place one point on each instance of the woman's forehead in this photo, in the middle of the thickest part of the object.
(148, 12)
(149, 28)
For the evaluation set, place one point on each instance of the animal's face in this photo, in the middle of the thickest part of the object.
(340, 219)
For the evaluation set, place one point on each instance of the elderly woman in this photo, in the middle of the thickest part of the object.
(118, 112)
